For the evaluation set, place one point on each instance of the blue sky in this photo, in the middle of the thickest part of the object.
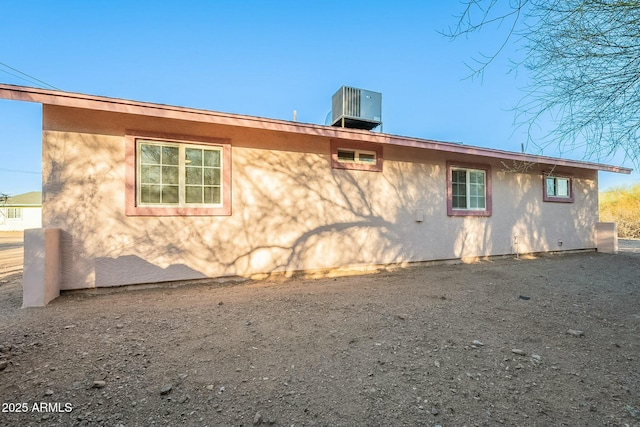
(264, 59)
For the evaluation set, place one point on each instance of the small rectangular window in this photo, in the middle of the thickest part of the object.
(558, 189)
(14, 213)
(356, 156)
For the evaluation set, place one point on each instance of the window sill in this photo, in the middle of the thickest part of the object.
(177, 211)
(558, 199)
(467, 212)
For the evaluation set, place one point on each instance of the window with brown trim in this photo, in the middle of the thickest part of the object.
(356, 155)
(173, 177)
(468, 189)
(557, 188)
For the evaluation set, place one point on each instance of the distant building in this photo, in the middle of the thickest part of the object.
(21, 212)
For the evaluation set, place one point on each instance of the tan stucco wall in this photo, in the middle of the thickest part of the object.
(291, 211)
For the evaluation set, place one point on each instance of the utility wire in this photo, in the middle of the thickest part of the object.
(27, 75)
(19, 171)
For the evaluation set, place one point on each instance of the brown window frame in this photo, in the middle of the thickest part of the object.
(557, 199)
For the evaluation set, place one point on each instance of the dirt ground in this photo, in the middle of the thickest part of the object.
(548, 341)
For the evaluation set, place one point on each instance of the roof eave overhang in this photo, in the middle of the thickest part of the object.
(116, 105)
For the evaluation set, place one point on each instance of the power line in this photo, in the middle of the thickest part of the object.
(27, 75)
(19, 171)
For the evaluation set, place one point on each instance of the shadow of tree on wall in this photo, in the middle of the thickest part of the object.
(538, 226)
(290, 212)
(298, 213)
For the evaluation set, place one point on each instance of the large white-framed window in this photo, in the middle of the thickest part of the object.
(174, 177)
(557, 188)
(468, 189)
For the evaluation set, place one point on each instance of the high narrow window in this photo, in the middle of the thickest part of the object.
(356, 155)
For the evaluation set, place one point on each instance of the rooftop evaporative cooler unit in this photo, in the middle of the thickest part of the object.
(356, 108)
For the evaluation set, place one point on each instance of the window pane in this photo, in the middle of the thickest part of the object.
(459, 202)
(212, 158)
(194, 176)
(150, 154)
(170, 156)
(211, 176)
(194, 194)
(477, 202)
(476, 177)
(551, 186)
(170, 175)
(169, 194)
(212, 195)
(193, 156)
(150, 194)
(150, 174)
(563, 187)
(367, 158)
(459, 176)
(459, 189)
(346, 156)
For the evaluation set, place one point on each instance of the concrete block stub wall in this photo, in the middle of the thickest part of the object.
(41, 266)
(607, 237)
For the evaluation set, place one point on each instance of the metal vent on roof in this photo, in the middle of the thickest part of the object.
(356, 108)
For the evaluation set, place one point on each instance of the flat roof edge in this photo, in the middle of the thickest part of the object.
(93, 102)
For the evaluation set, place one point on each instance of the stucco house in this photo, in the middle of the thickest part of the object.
(21, 211)
(136, 192)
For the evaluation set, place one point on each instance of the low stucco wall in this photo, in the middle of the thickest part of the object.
(290, 210)
(42, 264)
(607, 237)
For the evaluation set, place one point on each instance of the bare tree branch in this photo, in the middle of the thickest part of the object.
(584, 61)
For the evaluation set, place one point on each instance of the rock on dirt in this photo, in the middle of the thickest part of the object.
(378, 349)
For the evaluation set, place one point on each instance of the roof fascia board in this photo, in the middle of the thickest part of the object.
(91, 102)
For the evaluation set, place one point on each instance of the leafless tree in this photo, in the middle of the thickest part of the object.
(584, 63)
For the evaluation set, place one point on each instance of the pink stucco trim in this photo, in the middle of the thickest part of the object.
(352, 145)
(90, 102)
(131, 209)
(488, 196)
(547, 198)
